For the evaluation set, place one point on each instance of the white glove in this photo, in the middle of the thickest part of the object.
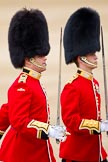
(57, 132)
(104, 126)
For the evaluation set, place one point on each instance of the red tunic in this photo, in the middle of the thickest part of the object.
(80, 99)
(27, 101)
(4, 120)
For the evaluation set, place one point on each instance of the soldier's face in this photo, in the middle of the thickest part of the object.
(92, 58)
(88, 62)
(37, 63)
(40, 63)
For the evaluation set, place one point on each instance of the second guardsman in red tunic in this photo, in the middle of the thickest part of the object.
(80, 98)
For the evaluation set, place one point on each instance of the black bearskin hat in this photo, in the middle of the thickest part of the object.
(81, 34)
(28, 36)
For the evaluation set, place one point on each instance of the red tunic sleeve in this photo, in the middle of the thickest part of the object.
(4, 120)
(70, 109)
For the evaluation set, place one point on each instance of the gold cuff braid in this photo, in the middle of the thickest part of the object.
(90, 125)
(40, 126)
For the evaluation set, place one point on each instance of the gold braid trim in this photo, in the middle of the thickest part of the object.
(40, 126)
(90, 125)
(39, 134)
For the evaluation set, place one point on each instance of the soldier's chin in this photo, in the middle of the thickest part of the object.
(95, 65)
(40, 66)
(43, 67)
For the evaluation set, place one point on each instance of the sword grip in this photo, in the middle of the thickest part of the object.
(57, 141)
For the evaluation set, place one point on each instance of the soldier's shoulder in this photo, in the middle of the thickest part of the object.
(74, 77)
(23, 78)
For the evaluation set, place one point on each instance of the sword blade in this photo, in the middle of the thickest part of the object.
(59, 81)
(104, 75)
(59, 84)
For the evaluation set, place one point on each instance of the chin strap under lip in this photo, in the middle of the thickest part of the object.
(32, 60)
(84, 59)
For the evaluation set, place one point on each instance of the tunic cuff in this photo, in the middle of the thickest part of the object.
(41, 127)
(91, 125)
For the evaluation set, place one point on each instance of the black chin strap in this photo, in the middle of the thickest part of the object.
(87, 62)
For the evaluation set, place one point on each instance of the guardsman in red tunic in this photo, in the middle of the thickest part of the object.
(80, 98)
(27, 137)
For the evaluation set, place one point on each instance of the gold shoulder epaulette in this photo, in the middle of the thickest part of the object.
(73, 78)
(22, 78)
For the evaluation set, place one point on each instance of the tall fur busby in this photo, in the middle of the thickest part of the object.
(27, 36)
(81, 34)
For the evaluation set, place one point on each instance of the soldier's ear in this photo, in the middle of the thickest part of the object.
(27, 61)
(79, 59)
